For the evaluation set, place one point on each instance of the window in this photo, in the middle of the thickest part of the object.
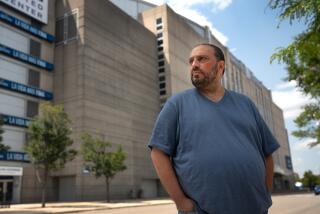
(162, 85)
(163, 92)
(159, 35)
(34, 78)
(32, 108)
(160, 42)
(288, 162)
(159, 27)
(160, 49)
(59, 30)
(72, 26)
(161, 63)
(159, 21)
(161, 70)
(162, 78)
(66, 27)
(160, 56)
(35, 48)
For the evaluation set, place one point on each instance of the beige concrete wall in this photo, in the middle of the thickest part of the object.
(176, 49)
(282, 137)
(107, 82)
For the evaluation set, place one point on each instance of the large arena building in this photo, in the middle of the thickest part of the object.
(112, 64)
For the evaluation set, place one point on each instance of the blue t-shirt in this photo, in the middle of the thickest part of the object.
(218, 151)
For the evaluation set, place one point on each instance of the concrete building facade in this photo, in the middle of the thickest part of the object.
(26, 65)
(105, 78)
(112, 64)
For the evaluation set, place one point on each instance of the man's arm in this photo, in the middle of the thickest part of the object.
(166, 173)
(269, 172)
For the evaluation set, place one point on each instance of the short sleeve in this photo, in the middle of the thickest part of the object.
(165, 131)
(268, 141)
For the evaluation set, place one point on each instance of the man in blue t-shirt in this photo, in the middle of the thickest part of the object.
(210, 146)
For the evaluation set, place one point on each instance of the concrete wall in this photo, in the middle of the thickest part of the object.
(106, 80)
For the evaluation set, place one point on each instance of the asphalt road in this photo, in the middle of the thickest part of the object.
(296, 204)
(287, 204)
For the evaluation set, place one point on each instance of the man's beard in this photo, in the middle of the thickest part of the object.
(201, 83)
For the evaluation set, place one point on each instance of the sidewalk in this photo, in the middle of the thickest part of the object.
(71, 207)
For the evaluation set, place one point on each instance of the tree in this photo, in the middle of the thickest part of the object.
(302, 58)
(48, 142)
(3, 148)
(100, 160)
(310, 180)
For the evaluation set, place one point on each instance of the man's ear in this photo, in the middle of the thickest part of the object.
(221, 67)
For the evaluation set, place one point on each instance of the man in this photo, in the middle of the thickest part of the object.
(210, 147)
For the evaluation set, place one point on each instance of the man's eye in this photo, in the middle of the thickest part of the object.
(202, 58)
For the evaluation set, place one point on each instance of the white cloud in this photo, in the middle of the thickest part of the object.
(305, 158)
(298, 161)
(156, 2)
(186, 9)
(215, 4)
(222, 4)
(233, 50)
(304, 145)
(286, 85)
(289, 99)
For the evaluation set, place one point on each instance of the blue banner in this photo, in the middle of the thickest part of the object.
(288, 162)
(14, 156)
(15, 121)
(25, 57)
(26, 27)
(35, 92)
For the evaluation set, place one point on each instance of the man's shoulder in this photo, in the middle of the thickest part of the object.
(239, 96)
(182, 96)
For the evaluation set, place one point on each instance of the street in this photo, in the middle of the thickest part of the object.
(296, 204)
(287, 204)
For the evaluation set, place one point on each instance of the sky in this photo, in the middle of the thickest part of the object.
(252, 32)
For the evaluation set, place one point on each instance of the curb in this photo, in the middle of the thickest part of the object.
(52, 210)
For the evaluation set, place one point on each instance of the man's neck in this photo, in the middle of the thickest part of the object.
(213, 93)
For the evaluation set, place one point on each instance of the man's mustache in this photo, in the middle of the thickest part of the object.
(196, 70)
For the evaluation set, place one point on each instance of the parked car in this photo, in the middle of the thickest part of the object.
(317, 189)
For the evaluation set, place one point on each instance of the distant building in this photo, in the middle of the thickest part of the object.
(112, 64)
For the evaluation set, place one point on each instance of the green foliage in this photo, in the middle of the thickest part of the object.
(308, 123)
(48, 141)
(100, 160)
(49, 137)
(302, 58)
(3, 148)
(301, 10)
(310, 180)
(296, 177)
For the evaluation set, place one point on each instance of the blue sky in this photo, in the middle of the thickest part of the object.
(249, 29)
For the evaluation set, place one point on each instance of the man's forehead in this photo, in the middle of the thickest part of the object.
(202, 50)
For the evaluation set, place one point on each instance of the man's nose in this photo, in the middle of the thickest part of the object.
(195, 64)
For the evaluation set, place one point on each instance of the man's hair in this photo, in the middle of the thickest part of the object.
(217, 52)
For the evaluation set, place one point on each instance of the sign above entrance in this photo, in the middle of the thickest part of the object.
(37, 9)
(11, 171)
